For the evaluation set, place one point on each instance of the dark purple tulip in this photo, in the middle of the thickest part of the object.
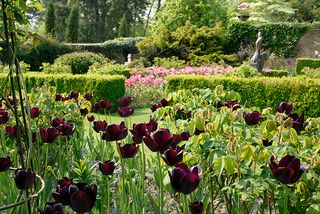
(99, 126)
(289, 170)
(56, 122)
(197, 132)
(232, 104)
(285, 107)
(185, 135)
(266, 142)
(165, 102)
(128, 150)
(59, 97)
(217, 104)
(177, 138)
(298, 122)
(181, 114)
(4, 116)
(61, 195)
(82, 197)
(183, 179)
(66, 129)
(5, 164)
(107, 167)
(152, 125)
(24, 178)
(96, 107)
(0, 104)
(84, 111)
(73, 95)
(196, 207)
(105, 104)
(11, 101)
(155, 107)
(11, 131)
(125, 101)
(125, 111)
(173, 156)
(34, 112)
(115, 132)
(90, 118)
(139, 131)
(53, 208)
(160, 141)
(49, 135)
(252, 118)
(88, 96)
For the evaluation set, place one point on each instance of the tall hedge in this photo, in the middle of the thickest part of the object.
(102, 87)
(306, 62)
(280, 38)
(261, 92)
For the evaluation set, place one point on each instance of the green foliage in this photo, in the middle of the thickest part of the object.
(109, 69)
(213, 59)
(306, 62)
(55, 68)
(50, 19)
(307, 10)
(171, 62)
(276, 73)
(311, 72)
(73, 24)
(279, 38)
(244, 71)
(80, 61)
(23, 66)
(124, 29)
(141, 62)
(103, 87)
(260, 92)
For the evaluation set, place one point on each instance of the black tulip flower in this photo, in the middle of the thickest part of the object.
(61, 195)
(49, 135)
(59, 97)
(125, 101)
(266, 142)
(5, 164)
(139, 131)
(173, 156)
(232, 104)
(125, 111)
(165, 102)
(12, 101)
(0, 104)
(11, 131)
(53, 208)
(160, 141)
(34, 112)
(82, 197)
(198, 132)
(88, 96)
(298, 122)
(96, 107)
(115, 132)
(4, 116)
(185, 135)
(289, 170)
(90, 118)
(218, 104)
(152, 125)
(56, 122)
(73, 95)
(284, 107)
(155, 107)
(84, 111)
(24, 178)
(196, 207)
(107, 167)
(252, 118)
(181, 114)
(99, 126)
(184, 179)
(105, 104)
(128, 150)
(66, 129)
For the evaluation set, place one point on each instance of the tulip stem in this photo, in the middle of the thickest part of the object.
(160, 184)
(143, 172)
(285, 200)
(108, 195)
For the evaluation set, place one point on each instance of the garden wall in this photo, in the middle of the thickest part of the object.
(309, 43)
(261, 92)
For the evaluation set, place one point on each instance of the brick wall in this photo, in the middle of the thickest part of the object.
(309, 43)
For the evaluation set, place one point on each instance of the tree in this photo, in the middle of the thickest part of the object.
(50, 20)
(124, 30)
(306, 10)
(73, 24)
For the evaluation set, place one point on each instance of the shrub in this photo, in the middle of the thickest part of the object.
(55, 68)
(103, 87)
(109, 69)
(311, 72)
(171, 62)
(306, 62)
(245, 70)
(141, 62)
(80, 61)
(276, 73)
(23, 66)
(261, 92)
(212, 60)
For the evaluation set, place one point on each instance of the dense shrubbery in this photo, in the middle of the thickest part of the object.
(171, 62)
(311, 72)
(109, 69)
(306, 62)
(260, 91)
(80, 61)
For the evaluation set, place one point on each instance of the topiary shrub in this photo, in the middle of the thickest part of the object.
(171, 62)
(109, 69)
(311, 72)
(55, 68)
(80, 61)
(276, 73)
(212, 59)
(306, 62)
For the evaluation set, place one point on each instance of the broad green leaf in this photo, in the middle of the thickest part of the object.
(247, 153)
(219, 166)
(271, 125)
(229, 165)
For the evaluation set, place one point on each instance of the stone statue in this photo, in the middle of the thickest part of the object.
(257, 60)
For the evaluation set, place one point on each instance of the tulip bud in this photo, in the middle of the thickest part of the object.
(24, 179)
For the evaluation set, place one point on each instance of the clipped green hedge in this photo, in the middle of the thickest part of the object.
(261, 92)
(276, 73)
(102, 87)
(306, 62)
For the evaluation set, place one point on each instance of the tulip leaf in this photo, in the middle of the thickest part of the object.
(199, 122)
(247, 153)
(271, 125)
(229, 165)
(294, 134)
(219, 166)
(154, 204)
